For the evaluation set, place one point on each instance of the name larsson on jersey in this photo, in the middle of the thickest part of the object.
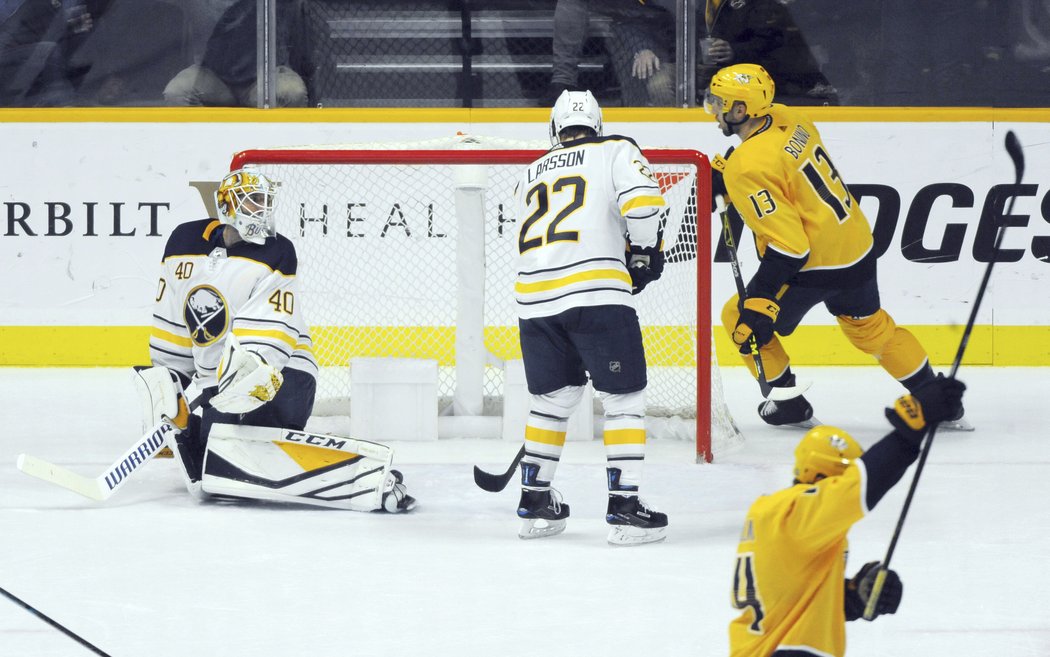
(557, 161)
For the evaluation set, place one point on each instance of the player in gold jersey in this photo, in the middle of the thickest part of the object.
(789, 579)
(814, 242)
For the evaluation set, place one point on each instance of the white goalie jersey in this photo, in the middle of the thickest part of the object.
(578, 209)
(206, 290)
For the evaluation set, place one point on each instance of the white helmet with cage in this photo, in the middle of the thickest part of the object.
(575, 108)
(245, 200)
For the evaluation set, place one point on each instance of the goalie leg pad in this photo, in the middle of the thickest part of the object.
(284, 465)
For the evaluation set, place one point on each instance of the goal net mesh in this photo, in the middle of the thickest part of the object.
(408, 251)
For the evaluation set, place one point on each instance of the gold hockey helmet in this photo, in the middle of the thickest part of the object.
(747, 83)
(824, 451)
(245, 200)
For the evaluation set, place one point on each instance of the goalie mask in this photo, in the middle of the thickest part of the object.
(575, 108)
(747, 83)
(245, 200)
(824, 452)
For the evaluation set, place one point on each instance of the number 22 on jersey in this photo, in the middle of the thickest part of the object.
(546, 229)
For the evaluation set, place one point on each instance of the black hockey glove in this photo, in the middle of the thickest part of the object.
(756, 318)
(718, 183)
(933, 402)
(645, 264)
(858, 591)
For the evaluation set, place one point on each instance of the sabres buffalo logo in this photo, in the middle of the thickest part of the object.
(206, 315)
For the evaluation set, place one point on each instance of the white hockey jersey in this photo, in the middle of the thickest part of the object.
(578, 208)
(206, 289)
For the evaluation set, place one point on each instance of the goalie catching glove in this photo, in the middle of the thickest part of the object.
(246, 381)
(858, 592)
(645, 264)
(933, 402)
(756, 318)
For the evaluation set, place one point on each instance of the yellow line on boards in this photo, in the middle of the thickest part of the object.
(494, 115)
(119, 346)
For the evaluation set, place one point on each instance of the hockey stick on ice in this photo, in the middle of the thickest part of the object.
(780, 393)
(494, 483)
(100, 488)
(52, 622)
(1013, 149)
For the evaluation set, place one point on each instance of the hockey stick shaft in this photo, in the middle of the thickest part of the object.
(1013, 148)
(494, 483)
(102, 487)
(734, 261)
(52, 622)
(768, 391)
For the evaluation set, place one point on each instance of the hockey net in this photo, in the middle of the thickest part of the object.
(407, 250)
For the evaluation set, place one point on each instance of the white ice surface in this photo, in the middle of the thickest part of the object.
(153, 573)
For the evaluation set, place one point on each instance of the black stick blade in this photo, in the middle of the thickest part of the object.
(1013, 149)
(494, 483)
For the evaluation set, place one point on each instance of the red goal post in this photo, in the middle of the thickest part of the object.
(332, 201)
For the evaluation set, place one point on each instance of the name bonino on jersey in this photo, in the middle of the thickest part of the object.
(797, 142)
(556, 161)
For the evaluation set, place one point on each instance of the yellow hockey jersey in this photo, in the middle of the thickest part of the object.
(790, 568)
(207, 289)
(577, 207)
(782, 181)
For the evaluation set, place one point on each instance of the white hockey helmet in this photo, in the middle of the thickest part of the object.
(245, 200)
(575, 108)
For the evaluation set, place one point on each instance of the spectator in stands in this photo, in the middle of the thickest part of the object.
(226, 76)
(36, 40)
(638, 48)
(763, 32)
(640, 55)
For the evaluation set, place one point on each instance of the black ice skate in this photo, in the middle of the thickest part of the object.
(794, 412)
(542, 513)
(541, 510)
(633, 522)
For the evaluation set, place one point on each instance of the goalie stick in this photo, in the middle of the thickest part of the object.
(52, 622)
(780, 393)
(102, 487)
(494, 483)
(1013, 149)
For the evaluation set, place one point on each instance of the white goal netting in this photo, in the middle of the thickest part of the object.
(408, 251)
